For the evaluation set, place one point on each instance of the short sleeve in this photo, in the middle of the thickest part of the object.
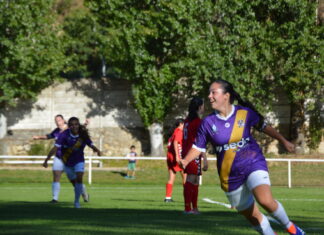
(256, 120)
(201, 138)
(178, 135)
(89, 142)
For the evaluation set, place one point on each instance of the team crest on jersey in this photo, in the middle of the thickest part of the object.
(227, 124)
(240, 123)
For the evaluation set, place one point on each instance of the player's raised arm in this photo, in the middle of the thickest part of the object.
(270, 131)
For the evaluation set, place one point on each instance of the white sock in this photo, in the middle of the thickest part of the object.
(264, 227)
(77, 192)
(281, 215)
(56, 186)
(84, 189)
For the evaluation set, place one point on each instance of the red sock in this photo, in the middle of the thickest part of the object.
(187, 193)
(168, 190)
(195, 196)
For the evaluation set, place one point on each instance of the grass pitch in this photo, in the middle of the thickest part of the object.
(119, 206)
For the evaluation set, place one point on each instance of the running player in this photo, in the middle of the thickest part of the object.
(58, 166)
(173, 157)
(193, 169)
(71, 143)
(241, 165)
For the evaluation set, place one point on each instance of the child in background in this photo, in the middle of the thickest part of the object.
(131, 163)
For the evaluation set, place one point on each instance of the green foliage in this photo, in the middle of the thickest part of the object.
(81, 44)
(42, 148)
(154, 44)
(30, 49)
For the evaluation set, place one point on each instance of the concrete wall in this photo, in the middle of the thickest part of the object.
(114, 123)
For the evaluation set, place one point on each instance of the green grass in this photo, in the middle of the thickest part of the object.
(120, 206)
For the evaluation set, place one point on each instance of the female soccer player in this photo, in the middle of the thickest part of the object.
(193, 169)
(58, 166)
(241, 165)
(173, 157)
(71, 143)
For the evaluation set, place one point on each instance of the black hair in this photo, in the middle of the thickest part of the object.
(176, 124)
(194, 105)
(83, 131)
(132, 147)
(228, 88)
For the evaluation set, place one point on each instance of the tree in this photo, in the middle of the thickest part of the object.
(297, 45)
(152, 44)
(31, 56)
(30, 49)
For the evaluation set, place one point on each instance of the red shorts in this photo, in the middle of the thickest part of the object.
(172, 163)
(194, 167)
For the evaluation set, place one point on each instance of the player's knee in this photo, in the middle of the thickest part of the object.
(267, 203)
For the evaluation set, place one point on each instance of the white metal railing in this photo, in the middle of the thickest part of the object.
(96, 159)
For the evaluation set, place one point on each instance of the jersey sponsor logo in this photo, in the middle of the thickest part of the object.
(237, 145)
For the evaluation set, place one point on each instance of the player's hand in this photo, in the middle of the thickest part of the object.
(45, 164)
(183, 163)
(205, 168)
(35, 137)
(99, 153)
(290, 147)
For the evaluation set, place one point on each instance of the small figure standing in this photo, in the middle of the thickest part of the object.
(131, 156)
(173, 157)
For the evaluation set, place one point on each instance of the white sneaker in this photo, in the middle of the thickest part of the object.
(77, 205)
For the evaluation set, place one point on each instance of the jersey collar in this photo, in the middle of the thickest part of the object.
(73, 136)
(228, 116)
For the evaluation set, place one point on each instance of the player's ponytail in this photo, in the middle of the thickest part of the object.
(228, 88)
(194, 105)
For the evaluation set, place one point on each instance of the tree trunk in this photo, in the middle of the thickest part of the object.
(297, 127)
(156, 137)
(3, 126)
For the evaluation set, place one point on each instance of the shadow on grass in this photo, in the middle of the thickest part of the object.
(122, 174)
(44, 218)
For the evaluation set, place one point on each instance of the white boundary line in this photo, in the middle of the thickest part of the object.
(216, 202)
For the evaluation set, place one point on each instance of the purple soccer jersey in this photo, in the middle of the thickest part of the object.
(54, 134)
(237, 152)
(67, 140)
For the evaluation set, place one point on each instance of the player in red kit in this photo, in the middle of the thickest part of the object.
(193, 169)
(173, 157)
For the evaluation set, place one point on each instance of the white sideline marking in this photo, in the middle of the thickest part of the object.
(216, 202)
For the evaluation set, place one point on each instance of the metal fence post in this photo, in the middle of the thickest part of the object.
(289, 173)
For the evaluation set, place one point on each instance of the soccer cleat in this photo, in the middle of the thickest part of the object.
(295, 230)
(168, 200)
(54, 201)
(126, 177)
(188, 212)
(77, 205)
(195, 212)
(86, 197)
